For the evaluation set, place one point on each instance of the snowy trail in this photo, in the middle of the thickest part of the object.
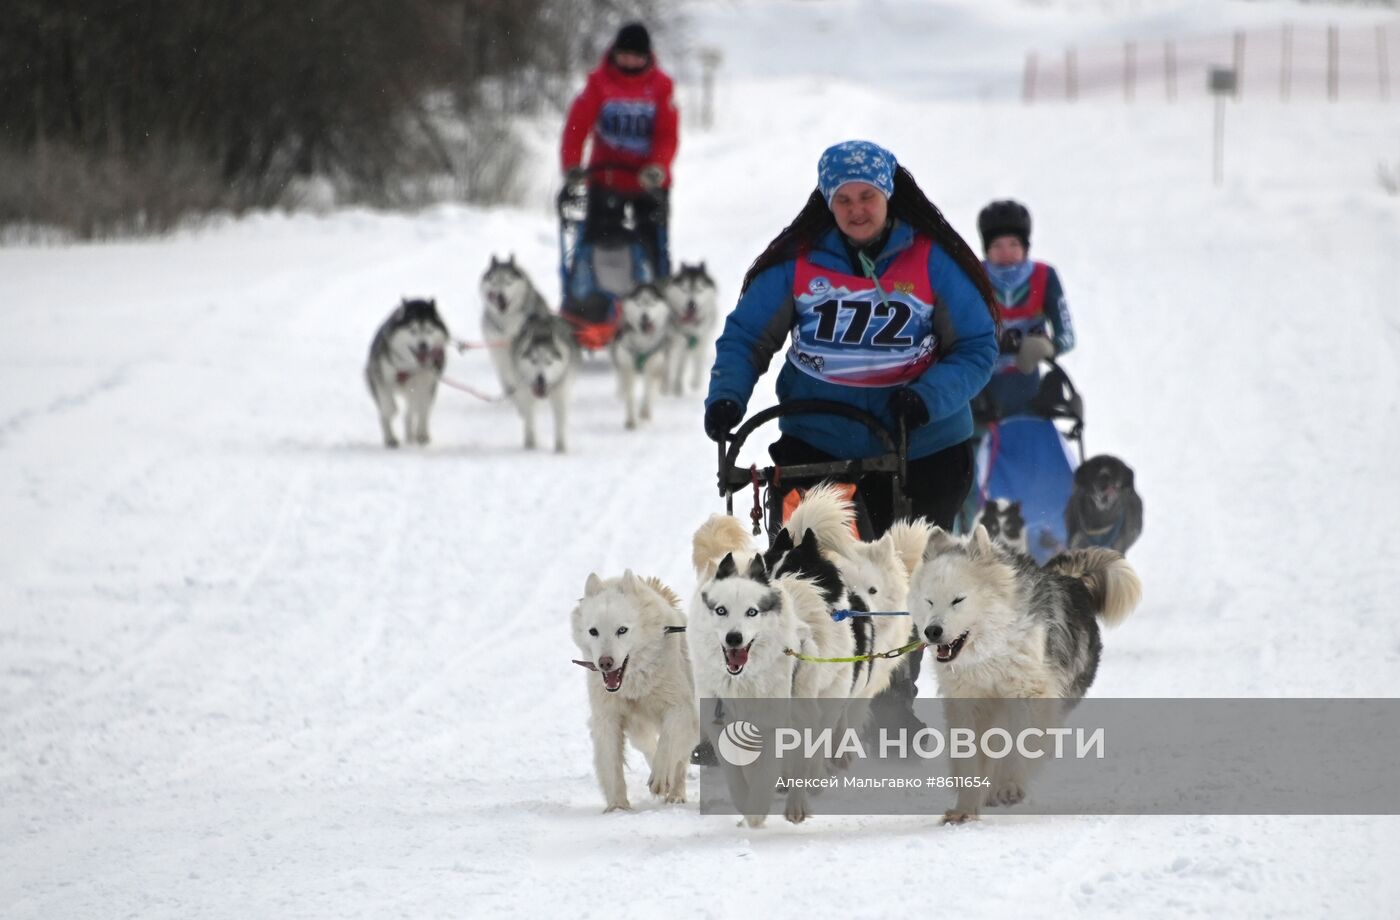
(252, 664)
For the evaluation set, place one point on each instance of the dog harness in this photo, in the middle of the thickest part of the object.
(1105, 537)
(857, 331)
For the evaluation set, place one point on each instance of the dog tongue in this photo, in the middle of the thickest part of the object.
(736, 658)
(539, 387)
(612, 679)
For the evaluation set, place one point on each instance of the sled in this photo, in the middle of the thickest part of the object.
(1027, 457)
(772, 485)
(594, 275)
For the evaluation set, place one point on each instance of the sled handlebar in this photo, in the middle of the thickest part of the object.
(895, 460)
(574, 192)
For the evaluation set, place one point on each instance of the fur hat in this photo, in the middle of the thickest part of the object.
(855, 161)
(633, 38)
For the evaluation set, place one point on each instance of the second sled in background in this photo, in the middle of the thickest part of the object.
(599, 265)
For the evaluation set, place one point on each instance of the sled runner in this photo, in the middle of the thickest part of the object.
(598, 268)
(775, 486)
(1027, 458)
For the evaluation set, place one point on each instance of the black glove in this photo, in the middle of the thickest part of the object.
(720, 418)
(908, 405)
(575, 175)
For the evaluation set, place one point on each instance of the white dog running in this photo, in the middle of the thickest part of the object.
(630, 632)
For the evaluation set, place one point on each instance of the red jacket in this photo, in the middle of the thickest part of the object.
(631, 119)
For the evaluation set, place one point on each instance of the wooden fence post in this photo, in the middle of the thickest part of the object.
(1382, 63)
(1169, 67)
(1239, 62)
(1129, 70)
(1333, 67)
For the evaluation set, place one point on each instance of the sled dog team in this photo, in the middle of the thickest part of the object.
(996, 626)
(663, 340)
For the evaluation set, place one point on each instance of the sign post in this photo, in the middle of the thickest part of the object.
(709, 62)
(1222, 82)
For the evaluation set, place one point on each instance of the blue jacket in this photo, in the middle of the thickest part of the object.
(763, 320)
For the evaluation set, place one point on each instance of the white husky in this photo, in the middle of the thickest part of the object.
(743, 625)
(630, 631)
(641, 348)
(1003, 630)
(692, 296)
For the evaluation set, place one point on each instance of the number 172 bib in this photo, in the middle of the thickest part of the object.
(848, 335)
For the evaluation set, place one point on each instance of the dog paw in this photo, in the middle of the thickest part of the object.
(1010, 794)
(957, 817)
(797, 811)
(631, 424)
(753, 821)
(624, 805)
(559, 447)
(391, 443)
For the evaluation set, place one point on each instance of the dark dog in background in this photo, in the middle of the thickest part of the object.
(1105, 509)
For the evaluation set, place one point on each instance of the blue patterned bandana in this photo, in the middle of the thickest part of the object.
(855, 161)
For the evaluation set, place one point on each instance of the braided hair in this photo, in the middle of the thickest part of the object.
(909, 204)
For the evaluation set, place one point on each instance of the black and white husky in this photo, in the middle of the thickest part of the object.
(1005, 524)
(534, 352)
(692, 296)
(743, 624)
(629, 630)
(406, 359)
(1001, 630)
(855, 575)
(640, 348)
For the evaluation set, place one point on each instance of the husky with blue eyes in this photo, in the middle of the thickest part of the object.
(1000, 629)
(744, 623)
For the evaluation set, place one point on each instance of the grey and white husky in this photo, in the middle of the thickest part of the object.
(692, 296)
(534, 352)
(543, 355)
(406, 359)
(641, 348)
(629, 630)
(1003, 632)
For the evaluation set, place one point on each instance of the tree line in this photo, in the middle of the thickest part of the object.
(130, 115)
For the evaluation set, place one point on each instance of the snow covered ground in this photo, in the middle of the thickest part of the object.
(252, 664)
